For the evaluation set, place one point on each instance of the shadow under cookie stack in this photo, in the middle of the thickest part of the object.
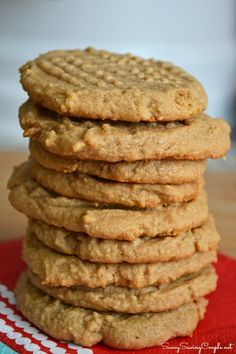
(120, 243)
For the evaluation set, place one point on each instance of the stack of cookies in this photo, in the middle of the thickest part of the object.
(120, 243)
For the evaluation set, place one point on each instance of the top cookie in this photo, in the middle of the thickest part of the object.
(103, 85)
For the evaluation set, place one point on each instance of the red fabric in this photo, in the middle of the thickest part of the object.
(219, 325)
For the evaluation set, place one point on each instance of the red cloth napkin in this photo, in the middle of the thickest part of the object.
(217, 329)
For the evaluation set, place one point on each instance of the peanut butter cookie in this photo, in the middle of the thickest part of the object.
(120, 299)
(194, 139)
(83, 186)
(88, 327)
(57, 269)
(142, 250)
(144, 171)
(99, 84)
(102, 220)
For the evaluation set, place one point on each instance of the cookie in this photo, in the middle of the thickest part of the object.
(151, 299)
(144, 171)
(86, 187)
(197, 138)
(99, 220)
(142, 250)
(88, 327)
(98, 84)
(57, 269)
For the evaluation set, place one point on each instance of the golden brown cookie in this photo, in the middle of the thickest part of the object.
(197, 138)
(98, 84)
(86, 187)
(120, 299)
(88, 327)
(144, 171)
(142, 250)
(57, 269)
(99, 220)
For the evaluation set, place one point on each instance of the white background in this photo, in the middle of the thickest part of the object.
(198, 35)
